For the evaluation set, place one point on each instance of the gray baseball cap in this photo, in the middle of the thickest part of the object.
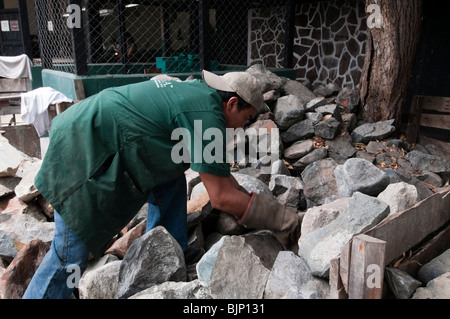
(243, 83)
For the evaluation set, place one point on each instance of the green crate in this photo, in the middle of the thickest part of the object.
(167, 64)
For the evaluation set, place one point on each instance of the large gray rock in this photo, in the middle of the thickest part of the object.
(289, 110)
(401, 283)
(321, 245)
(315, 103)
(266, 79)
(360, 175)
(314, 156)
(252, 184)
(399, 196)
(154, 258)
(320, 216)
(174, 290)
(8, 246)
(298, 150)
(26, 190)
(10, 158)
(100, 283)
(299, 131)
(7, 185)
(438, 288)
(25, 228)
(421, 161)
(327, 129)
(265, 245)
(373, 131)
(279, 168)
(341, 145)
(422, 190)
(287, 189)
(319, 181)
(298, 89)
(330, 109)
(435, 268)
(348, 99)
(290, 278)
(231, 270)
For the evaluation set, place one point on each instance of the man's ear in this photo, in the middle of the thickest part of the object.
(232, 102)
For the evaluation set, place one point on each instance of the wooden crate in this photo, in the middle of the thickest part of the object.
(358, 272)
(429, 112)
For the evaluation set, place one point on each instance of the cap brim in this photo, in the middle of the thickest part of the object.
(216, 82)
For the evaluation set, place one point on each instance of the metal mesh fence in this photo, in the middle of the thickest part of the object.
(53, 34)
(138, 36)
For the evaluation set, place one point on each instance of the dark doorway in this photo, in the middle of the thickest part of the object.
(11, 35)
(431, 74)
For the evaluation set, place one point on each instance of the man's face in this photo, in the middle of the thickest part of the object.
(235, 118)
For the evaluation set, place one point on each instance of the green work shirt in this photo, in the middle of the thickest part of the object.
(129, 128)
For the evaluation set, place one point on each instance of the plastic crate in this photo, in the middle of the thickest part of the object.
(167, 64)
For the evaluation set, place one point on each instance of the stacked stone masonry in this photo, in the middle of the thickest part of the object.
(329, 43)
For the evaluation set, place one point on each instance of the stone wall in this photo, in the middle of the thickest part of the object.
(329, 43)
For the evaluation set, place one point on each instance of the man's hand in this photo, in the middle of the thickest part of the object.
(225, 195)
(264, 212)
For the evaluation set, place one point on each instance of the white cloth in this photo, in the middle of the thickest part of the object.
(34, 107)
(15, 67)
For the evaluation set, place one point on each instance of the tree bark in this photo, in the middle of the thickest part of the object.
(390, 54)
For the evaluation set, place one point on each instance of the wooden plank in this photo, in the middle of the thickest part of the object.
(436, 103)
(412, 130)
(337, 290)
(424, 140)
(406, 229)
(6, 97)
(62, 106)
(8, 109)
(366, 268)
(424, 254)
(440, 121)
(344, 265)
(79, 89)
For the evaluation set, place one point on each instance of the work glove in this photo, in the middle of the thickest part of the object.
(264, 212)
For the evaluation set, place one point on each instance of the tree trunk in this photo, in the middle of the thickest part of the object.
(390, 53)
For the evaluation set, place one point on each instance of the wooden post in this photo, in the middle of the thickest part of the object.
(412, 131)
(366, 268)
(344, 265)
(405, 230)
(337, 290)
(79, 89)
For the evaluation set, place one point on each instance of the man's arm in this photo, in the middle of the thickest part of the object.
(224, 194)
(234, 182)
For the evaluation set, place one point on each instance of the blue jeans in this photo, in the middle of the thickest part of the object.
(65, 262)
(167, 207)
(62, 266)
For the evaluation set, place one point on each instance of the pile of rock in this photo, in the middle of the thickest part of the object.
(343, 177)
